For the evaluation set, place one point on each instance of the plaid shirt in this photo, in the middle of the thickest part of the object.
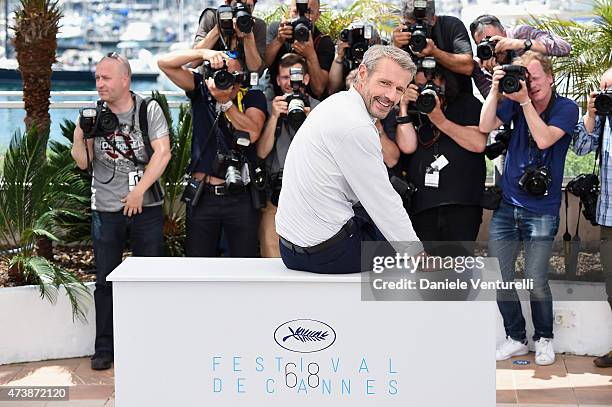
(584, 143)
(555, 46)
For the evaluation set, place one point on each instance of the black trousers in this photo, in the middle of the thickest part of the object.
(235, 214)
(448, 223)
(111, 233)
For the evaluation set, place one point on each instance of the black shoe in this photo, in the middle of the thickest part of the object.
(102, 361)
(604, 361)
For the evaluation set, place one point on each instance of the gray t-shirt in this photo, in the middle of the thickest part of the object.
(108, 164)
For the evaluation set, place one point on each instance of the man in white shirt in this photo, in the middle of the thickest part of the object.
(335, 161)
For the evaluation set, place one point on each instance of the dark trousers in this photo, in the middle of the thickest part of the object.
(342, 257)
(111, 232)
(448, 223)
(606, 258)
(235, 213)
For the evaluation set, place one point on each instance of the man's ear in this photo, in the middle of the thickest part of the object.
(362, 73)
(306, 79)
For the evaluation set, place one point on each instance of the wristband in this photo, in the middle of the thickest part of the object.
(403, 119)
(338, 61)
(525, 103)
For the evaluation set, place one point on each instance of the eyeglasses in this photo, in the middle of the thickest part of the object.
(113, 55)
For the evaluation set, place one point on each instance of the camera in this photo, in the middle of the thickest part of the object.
(296, 100)
(603, 103)
(426, 101)
(276, 183)
(228, 166)
(358, 36)
(98, 121)
(485, 49)
(302, 26)
(225, 17)
(406, 190)
(420, 29)
(192, 192)
(499, 147)
(586, 187)
(510, 83)
(225, 79)
(535, 180)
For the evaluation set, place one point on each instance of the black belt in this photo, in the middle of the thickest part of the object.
(343, 233)
(221, 190)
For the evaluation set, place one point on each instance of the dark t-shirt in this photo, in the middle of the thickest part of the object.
(450, 35)
(462, 180)
(209, 20)
(324, 47)
(564, 115)
(204, 143)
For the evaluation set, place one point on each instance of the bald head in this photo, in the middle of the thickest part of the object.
(120, 60)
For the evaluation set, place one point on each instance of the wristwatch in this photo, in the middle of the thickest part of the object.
(528, 45)
(403, 119)
(224, 107)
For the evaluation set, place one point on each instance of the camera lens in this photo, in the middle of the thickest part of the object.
(233, 180)
(509, 84)
(300, 32)
(418, 41)
(484, 51)
(224, 79)
(426, 102)
(108, 122)
(244, 22)
(296, 113)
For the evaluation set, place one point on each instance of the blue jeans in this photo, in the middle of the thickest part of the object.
(510, 226)
(343, 257)
(111, 232)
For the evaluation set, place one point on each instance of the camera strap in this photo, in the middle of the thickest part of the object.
(545, 116)
(599, 146)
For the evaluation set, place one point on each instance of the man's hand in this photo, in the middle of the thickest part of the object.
(279, 106)
(305, 49)
(591, 105)
(132, 203)
(217, 59)
(437, 115)
(522, 96)
(498, 73)
(488, 64)
(507, 44)
(285, 31)
(401, 39)
(428, 50)
(220, 95)
(341, 47)
(410, 95)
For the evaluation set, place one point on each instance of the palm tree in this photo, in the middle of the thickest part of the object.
(34, 195)
(36, 27)
(579, 73)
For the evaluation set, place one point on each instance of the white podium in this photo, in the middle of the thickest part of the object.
(249, 332)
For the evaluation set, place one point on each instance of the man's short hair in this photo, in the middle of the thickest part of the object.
(530, 56)
(479, 24)
(290, 59)
(377, 52)
(121, 59)
(408, 10)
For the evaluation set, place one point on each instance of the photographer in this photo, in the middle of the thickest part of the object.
(287, 113)
(127, 161)
(445, 160)
(251, 44)
(497, 45)
(531, 184)
(301, 36)
(594, 133)
(354, 41)
(445, 38)
(227, 120)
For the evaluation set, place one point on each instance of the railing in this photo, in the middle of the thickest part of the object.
(76, 104)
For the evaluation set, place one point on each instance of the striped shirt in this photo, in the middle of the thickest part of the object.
(555, 46)
(584, 143)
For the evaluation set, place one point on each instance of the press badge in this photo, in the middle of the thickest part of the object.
(134, 178)
(432, 179)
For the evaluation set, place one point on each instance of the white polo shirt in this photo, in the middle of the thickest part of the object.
(335, 160)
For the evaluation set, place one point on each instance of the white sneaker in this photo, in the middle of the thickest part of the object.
(510, 348)
(545, 354)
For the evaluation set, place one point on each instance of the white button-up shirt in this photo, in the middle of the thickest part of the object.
(335, 160)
